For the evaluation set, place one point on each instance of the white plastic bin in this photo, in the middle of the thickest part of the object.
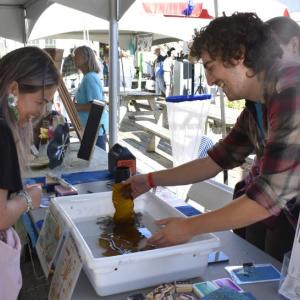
(120, 273)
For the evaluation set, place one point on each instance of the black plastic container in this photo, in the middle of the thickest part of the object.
(120, 156)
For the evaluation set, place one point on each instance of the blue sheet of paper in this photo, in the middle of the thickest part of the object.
(255, 273)
(188, 210)
(228, 294)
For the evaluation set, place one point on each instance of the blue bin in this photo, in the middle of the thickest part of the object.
(182, 98)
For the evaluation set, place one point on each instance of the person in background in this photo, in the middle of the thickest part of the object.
(287, 33)
(101, 74)
(90, 89)
(69, 70)
(69, 67)
(105, 72)
(158, 71)
(28, 81)
(168, 66)
(101, 67)
(127, 70)
(241, 55)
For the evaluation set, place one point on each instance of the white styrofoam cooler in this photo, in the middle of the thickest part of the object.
(120, 273)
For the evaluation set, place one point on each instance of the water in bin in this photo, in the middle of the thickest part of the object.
(187, 116)
(125, 232)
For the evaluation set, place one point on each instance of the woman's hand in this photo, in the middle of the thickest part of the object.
(35, 192)
(138, 185)
(174, 231)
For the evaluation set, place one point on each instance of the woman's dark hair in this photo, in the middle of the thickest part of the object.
(242, 35)
(284, 29)
(169, 52)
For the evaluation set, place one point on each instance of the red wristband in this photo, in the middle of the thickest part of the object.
(150, 181)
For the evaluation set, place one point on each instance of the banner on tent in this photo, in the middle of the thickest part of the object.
(144, 42)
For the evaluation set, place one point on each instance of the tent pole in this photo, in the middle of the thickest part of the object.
(222, 103)
(25, 34)
(216, 8)
(114, 77)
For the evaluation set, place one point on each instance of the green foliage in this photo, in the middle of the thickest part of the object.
(239, 104)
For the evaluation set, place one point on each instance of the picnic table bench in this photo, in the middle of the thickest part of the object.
(156, 133)
(214, 115)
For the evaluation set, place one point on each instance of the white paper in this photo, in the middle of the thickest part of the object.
(50, 238)
(67, 271)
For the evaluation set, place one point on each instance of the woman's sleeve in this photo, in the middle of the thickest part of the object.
(93, 89)
(10, 178)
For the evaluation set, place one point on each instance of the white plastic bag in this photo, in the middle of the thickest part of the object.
(187, 117)
(290, 287)
(10, 275)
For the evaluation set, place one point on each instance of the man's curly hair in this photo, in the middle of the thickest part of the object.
(237, 36)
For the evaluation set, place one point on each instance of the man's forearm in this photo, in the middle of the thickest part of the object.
(191, 172)
(239, 213)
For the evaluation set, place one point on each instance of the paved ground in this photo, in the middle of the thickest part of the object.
(35, 285)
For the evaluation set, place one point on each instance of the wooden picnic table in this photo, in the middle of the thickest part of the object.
(140, 103)
(136, 99)
(143, 102)
(231, 115)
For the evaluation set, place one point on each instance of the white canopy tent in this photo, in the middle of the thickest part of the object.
(18, 17)
(125, 37)
(71, 24)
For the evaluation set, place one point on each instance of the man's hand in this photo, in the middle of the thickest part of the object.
(175, 231)
(138, 185)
